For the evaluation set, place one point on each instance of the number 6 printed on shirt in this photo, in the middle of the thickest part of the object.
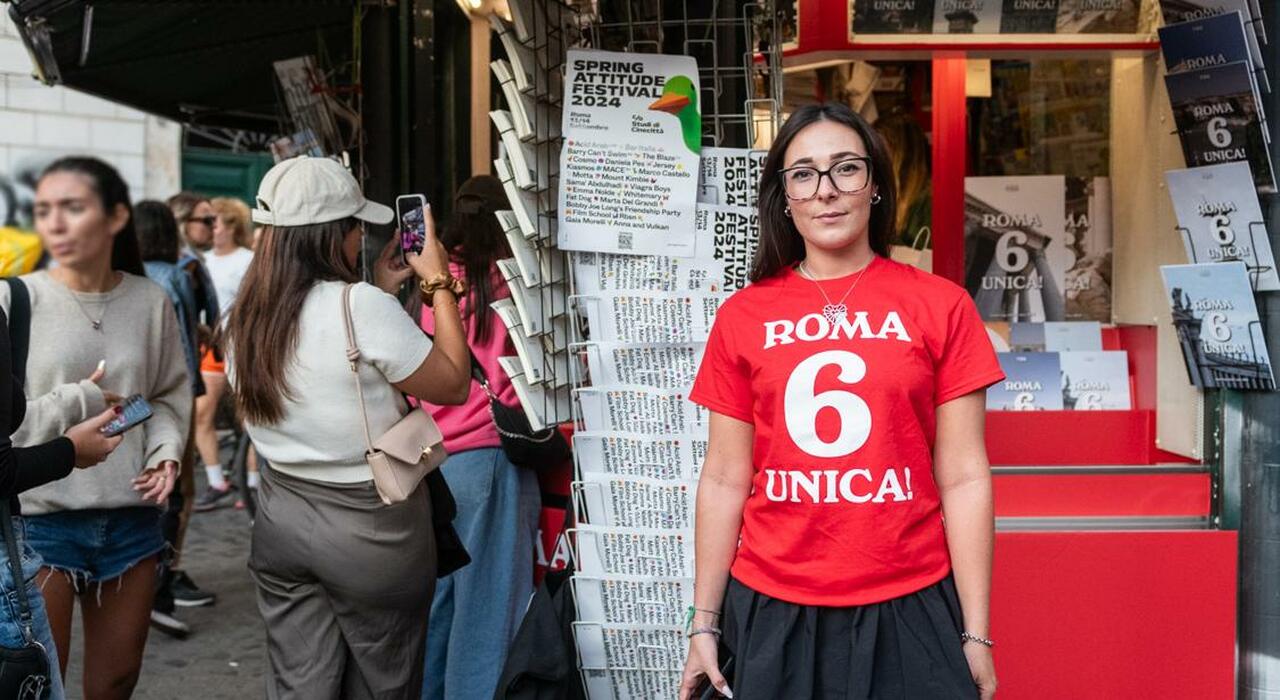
(801, 405)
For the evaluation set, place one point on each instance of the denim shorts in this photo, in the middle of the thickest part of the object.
(96, 545)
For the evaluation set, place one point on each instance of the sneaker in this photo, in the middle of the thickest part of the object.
(169, 624)
(212, 499)
(187, 594)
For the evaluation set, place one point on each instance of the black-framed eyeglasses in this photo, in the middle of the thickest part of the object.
(206, 220)
(849, 176)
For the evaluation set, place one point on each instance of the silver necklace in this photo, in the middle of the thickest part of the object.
(97, 324)
(836, 312)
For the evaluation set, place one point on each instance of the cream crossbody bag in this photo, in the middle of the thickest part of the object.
(409, 450)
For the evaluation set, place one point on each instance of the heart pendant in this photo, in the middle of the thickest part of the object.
(835, 312)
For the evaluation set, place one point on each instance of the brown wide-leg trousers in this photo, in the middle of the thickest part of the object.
(344, 587)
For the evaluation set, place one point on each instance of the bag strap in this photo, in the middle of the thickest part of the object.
(19, 325)
(353, 358)
(15, 570)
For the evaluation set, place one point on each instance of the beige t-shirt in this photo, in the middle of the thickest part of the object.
(321, 437)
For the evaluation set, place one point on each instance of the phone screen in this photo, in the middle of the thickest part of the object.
(412, 222)
(134, 411)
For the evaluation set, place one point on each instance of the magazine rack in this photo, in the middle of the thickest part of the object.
(1255, 271)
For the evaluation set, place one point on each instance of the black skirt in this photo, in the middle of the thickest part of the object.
(907, 648)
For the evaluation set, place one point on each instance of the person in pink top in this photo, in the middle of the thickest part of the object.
(477, 609)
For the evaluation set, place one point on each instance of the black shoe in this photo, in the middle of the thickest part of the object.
(169, 624)
(186, 594)
(212, 499)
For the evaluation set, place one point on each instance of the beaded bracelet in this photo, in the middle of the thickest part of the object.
(966, 637)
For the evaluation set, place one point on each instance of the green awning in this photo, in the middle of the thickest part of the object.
(199, 62)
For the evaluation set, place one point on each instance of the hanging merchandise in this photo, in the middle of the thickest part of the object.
(1176, 11)
(1220, 219)
(1217, 325)
(1211, 41)
(1219, 118)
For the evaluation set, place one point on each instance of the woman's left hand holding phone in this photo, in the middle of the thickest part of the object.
(390, 271)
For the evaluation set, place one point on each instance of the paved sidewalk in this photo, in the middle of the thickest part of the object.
(225, 656)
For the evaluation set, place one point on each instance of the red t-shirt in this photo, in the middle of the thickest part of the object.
(843, 509)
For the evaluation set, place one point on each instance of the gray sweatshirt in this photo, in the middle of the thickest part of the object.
(142, 347)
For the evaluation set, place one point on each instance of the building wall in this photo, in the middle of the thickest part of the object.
(40, 123)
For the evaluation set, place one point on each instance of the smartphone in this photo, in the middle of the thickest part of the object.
(134, 411)
(411, 220)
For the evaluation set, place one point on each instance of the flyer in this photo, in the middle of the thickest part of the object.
(1216, 320)
(535, 361)
(537, 265)
(1098, 16)
(728, 236)
(637, 502)
(1029, 17)
(632, 600)
(639, 647)
(1221, 220)
(673, 457)
(601, 551)
(1073, 335)
(1033, 382)
(543, 405)
(967, 16)
(892, 16)
(730, 176)
(526, 203)
(1216, 110)
(1016, 259)
(630, 162)
(644, 317)
(640, 410)
(607, 272)
(1095, 381)
(1089, 244)
(654, 365)
(630, 684)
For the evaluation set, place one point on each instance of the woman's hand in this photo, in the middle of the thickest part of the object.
(703, 661)
(91, 445)
(98, 374)
(389, 271)
(982, 667)
(156, 483)
(434, 259)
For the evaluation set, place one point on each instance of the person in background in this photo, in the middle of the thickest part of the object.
(477, 609)
(227, 260)
(344, 580)
(116, 332)
(158, 243)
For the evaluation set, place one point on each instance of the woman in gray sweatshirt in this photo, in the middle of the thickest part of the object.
(100, 331)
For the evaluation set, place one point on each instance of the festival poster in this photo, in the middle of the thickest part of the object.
(638, 647)
(602, 551)
(891, 16)
(730, 176)
(1073, 335)
(637, 501)
(1220, 220)
(653, 365)
(1098, 16)
(630, 161)
(1033, 382)
(1089, 247)
(630, 684)
(648, 317)
(1217, 324)
(672, 457)
(640, 410)
(1016, 257)
(1176, 11)
(1029, 17)
(967, 16)
(1095, 381)
(632, 600)
(1217, 113)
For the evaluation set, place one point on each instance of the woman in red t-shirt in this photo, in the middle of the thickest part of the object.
(847, 405)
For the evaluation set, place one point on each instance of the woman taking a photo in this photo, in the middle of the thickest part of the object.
(98, 530)
(847, 405)
(344, 581)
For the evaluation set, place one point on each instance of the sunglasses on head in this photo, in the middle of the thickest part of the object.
(206, 220)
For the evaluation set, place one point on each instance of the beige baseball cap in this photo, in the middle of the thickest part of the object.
(303, 190)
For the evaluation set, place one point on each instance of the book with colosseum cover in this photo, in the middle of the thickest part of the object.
(1216, 321)
(892, 16)
(1220, 220)
(1219, 119)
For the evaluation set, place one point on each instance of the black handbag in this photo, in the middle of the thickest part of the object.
(538, 450)
(24, 671)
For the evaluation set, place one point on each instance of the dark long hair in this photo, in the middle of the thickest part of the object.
(112, 192)
(262, 324)
(475, 240)
(780, 243)
(157, 231)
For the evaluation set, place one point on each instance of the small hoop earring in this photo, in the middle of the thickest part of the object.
(787, 210)
(875, 198)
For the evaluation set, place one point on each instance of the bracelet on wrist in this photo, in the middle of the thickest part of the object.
(703, 630)
(966, 637)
